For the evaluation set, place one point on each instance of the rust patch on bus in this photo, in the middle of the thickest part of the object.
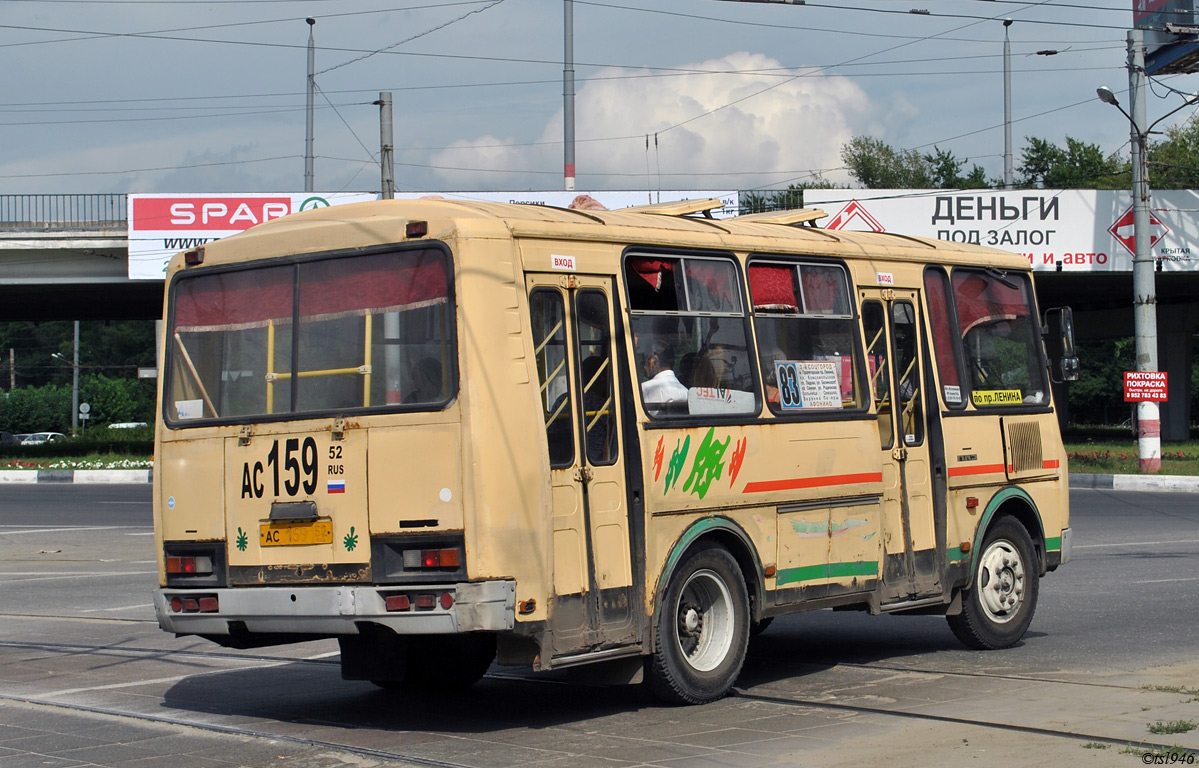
(321, 573)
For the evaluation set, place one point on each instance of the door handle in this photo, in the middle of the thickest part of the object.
(583, 475)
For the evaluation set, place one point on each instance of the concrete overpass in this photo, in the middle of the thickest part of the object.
(65, 257)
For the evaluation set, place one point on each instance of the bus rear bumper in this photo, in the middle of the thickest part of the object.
(338, 610)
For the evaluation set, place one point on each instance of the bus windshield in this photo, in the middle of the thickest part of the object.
(330, 334)
(999, 338)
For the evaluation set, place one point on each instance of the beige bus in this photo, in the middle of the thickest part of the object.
(451, 434)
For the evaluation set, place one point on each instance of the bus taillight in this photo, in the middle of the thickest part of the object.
(190, 564)
(198, 604)
(447, 559)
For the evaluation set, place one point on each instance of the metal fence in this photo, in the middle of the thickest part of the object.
(104, 211)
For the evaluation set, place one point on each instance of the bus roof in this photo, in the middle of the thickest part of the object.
(669, 224)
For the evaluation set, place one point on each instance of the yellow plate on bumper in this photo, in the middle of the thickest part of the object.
(297, 533)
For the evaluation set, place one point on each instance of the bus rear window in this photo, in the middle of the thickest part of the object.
(327, 335)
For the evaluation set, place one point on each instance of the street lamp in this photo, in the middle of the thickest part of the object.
(74, 385)
(1149, 442)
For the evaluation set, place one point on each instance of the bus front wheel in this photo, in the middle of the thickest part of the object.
(998, 608)
(702, 629)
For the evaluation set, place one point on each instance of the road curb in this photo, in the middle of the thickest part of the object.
(91, 476)
(1170, 483)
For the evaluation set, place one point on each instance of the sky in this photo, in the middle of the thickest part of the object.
(188, 96)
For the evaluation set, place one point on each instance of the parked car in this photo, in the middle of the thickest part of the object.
(39, 438)
(8, 437)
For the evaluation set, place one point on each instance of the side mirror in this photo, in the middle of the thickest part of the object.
(1058, 333)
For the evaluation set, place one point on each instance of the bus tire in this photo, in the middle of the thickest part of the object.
(448, 662)
(702, 629)
(999, 606)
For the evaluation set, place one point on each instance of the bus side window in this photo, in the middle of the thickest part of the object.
(548, 320)
(874, 323)
(692, 345)
(804, 321)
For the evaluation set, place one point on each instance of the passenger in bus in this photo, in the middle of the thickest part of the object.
(426, 382)
(661, 386)
(715, 368)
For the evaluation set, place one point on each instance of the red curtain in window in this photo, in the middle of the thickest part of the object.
(937, 286)
(821, 289)
(983, 299)
(252, 298)
(373, 284)
(773, 286)
(651, 270)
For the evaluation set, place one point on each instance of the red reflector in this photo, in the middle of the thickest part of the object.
(191, 605)
(971, 502)
(417, 228)
(449, 558)
(176, 604)
(397, 603)
(447, 600)
(425, 602)
(209, 605)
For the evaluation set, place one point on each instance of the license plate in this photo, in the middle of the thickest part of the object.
(299, 533)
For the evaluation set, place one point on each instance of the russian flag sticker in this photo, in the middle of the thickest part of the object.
(336, 486)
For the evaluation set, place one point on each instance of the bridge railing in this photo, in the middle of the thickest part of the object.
(94, 211)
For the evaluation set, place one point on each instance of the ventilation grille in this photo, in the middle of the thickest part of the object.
(1024, 438)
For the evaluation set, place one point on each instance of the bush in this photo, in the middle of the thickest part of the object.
(48, 408)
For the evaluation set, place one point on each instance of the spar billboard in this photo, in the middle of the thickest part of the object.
(161, 225)
(1070, 230)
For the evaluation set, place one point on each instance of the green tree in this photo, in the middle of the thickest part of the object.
(115, 349)
(1095, 398)
(1077, 165)
(877, 165)
(1174, 161)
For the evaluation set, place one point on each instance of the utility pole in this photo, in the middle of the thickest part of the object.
(1008, 174)
(1144, 287)
(308, 170)
(386, 145)
(568, 96)
(75, 383)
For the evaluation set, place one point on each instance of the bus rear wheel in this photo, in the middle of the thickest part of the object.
(702, 629)
(998, 608)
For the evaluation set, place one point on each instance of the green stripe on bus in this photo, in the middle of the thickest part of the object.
(827, 571)
(955, 554)
(1054, 543)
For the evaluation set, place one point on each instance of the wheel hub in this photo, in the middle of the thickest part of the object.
(1001, 581)
(691, 621)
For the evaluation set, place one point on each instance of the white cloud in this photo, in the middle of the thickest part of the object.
(773, 130)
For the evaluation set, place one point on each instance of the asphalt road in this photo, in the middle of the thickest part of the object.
(86, 677)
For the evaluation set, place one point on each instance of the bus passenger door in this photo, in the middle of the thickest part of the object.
(911, 556)
(592, 603)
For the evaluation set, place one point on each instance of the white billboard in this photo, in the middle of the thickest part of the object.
(1071, 230)
(609, 200)
(161, 225)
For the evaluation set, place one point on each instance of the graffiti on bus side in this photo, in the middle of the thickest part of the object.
(707, 464)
